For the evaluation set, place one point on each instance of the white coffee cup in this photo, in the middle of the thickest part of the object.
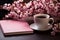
(42, 21)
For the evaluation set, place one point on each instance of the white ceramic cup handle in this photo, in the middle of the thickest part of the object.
(51, 20)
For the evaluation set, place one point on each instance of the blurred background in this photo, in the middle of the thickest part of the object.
(4, 12)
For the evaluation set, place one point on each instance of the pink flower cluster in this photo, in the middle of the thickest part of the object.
(55, 29)
(18, 9)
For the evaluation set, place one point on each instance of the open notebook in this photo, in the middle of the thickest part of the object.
(12, 27)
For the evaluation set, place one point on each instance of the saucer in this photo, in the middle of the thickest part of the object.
(35, 27)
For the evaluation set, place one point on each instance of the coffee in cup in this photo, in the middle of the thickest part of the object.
(42, 21)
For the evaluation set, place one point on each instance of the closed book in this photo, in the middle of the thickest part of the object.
(12, 27)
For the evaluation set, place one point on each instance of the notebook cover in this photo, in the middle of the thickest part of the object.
(11, 27)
